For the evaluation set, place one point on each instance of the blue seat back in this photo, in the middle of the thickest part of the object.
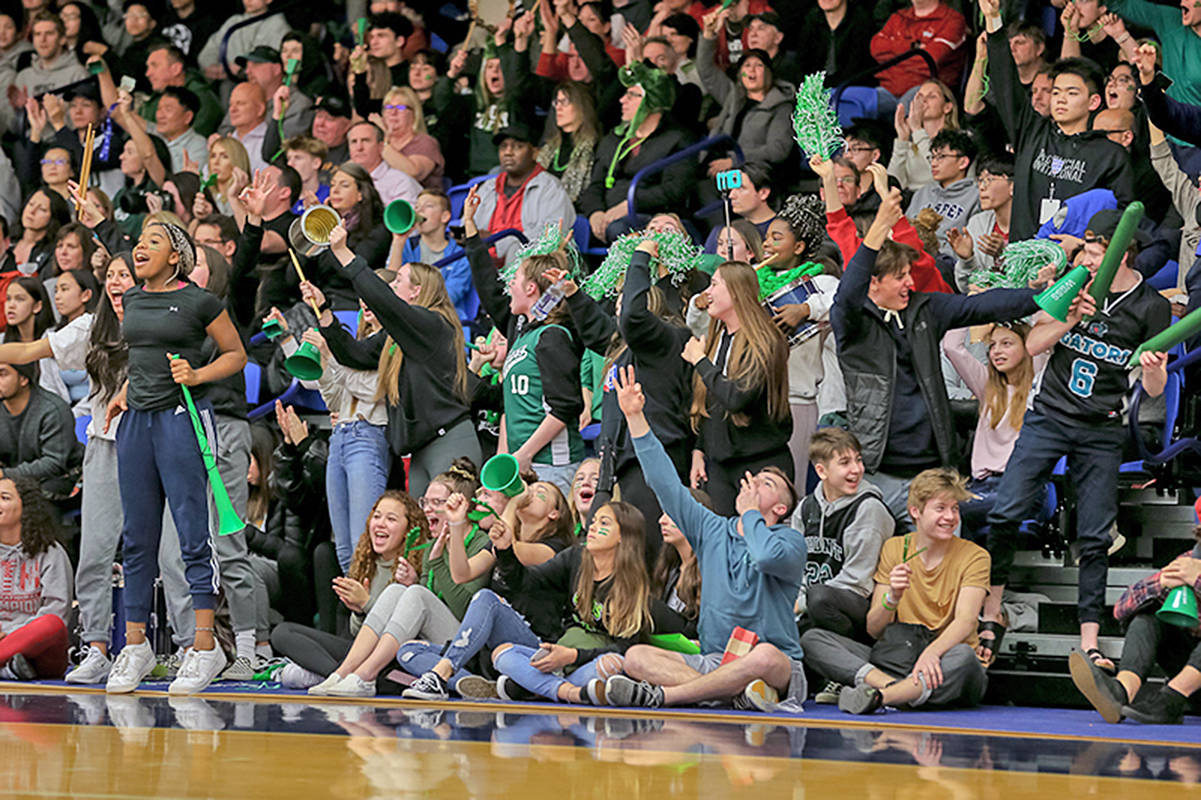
(857, 102)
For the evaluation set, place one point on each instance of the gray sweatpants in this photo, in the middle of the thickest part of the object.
(437, 456)
(266, 595)
(846, 661)
(237, 579)
(101, 522)
(411, 612)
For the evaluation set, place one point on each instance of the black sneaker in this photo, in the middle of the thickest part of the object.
(21, 667)
(624, 691)
(861, 699)
(1165, 707)
(430, 686)
(511, 690)
(1098, 686)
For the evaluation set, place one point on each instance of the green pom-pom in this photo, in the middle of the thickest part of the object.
(1020, 263)
(552, 238)
(677, 254)
(814, 120)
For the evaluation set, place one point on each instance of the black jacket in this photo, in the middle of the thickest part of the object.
(867, 352)
(841, 52)
(664, 191)
(1046, 159)
(430, 405)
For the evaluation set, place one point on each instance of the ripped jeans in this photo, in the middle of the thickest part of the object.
(489, 621)
(515, 662)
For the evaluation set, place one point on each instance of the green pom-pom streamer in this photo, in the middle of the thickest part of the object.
(814, 120)
(771, 281)
(552, 238)
(1020, 263)
(677, 253)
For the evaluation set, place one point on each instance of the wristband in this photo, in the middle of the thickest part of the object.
(884, 602)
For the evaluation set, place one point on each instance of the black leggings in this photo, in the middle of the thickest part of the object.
(316, 651)
(838, 610)
(1150, 641)
(726, 475)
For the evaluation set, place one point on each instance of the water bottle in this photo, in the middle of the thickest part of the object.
(547, 302)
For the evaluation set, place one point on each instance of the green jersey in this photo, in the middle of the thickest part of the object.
(526, 407)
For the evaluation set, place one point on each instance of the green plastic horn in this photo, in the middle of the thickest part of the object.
(400, 217)
(1057, 298)
(1118, 244)
(305, 363)
(227, 517)
(1180, 608)
(501, 473)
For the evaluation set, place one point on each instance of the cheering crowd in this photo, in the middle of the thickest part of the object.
(756, 425)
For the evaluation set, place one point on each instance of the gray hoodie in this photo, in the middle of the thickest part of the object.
(956, 203)
(861, 539)
(32, 587)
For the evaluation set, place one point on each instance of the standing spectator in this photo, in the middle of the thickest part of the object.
(268, 29)
(888, 344)
(523, 196)
(930, 25)
(953, 195)
(841, 33)
(1060, 155)
(137, 37)
(187, 30)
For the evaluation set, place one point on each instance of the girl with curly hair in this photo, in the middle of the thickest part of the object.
(35, 585)
(792, 240)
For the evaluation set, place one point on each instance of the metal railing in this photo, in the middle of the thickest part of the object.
(674, 158)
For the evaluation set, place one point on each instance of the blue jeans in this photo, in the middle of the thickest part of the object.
(489, 621)
(355, 476)
(973, 513)
(1094, 455)
(515, 662)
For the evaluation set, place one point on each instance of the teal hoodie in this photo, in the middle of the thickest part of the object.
(749, 580)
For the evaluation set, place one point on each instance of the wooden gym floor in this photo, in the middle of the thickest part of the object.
(56, 742)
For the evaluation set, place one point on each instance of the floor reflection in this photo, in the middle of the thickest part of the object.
(86, 744)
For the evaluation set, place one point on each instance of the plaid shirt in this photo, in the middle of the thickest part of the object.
(1145, 591)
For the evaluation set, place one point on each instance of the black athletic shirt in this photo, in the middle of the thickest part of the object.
(157, 323)
(1086, 379)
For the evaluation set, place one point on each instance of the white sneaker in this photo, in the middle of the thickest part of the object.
(198, 670)
(294, 676)
(352, 686)
(195, 714)
(322, 689)
(93, 669)
(133, 664)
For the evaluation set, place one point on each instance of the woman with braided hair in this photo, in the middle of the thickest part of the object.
(167, 320)
(790, 245)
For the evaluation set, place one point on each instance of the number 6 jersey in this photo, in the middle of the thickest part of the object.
(1086, 379)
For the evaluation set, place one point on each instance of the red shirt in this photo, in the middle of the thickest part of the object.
(940, 33)
(508, 208)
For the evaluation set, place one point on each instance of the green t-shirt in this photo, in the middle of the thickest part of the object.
(457, 596)
(525, 406)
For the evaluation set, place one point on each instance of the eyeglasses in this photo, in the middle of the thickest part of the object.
(434, 503)
(860, 148)
(561, 102)
(58, 162)
(396, 107)
(942, 156)
(846, 180)
(985, 180)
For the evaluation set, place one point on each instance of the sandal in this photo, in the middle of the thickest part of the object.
(1097, 657)
(991, 645)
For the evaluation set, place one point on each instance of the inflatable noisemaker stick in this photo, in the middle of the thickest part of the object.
(85, 169)
(360, 31)
(1169, 337)
(1118, 244)
(227, 518)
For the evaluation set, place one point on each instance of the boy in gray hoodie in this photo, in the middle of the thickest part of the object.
(845, 522)
(953, 194)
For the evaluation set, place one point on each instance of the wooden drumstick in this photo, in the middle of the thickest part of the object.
(85, 168)
(303, 279)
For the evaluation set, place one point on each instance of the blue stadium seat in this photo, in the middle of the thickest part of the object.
(253, 375)
(459, 193)
(582, 233)
(349, 320)
(1166, 277)
(856, 102)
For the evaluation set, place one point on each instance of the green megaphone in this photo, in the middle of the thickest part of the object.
(305, 363)
(1180, 608)
(501, 473)
(1057, 298)
(400, 217)
(272, 329)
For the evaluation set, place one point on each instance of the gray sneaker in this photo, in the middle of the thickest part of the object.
(621, 690)
(756, 696)
(240, 670)
(862, 699)
(93, 669)
(473, 687)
